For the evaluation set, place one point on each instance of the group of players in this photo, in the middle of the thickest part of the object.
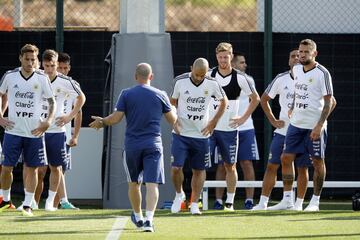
(212, 125)
(204, 111)
(40, 106)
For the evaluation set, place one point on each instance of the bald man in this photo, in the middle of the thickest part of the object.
(191, 96)
(143, 106)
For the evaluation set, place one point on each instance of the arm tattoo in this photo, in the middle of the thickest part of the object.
(326, 111)
(52, 106)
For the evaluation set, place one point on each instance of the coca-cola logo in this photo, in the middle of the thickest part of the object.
(195, 100)
(27, 95)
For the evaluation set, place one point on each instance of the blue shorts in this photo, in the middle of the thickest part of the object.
(146, 165)
(196, 150)
(276, 149)
(226, 144)
(67, 164)
(248, 149)
(298, 141)
(32, 149)
(56, 148)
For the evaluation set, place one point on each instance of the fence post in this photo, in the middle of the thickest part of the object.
(267, 71)
(59, 38)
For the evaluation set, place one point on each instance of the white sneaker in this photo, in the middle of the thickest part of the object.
(195, 210)
(283, 205)
(259, 207)
(49, 207)
(312, 207)
(297, 208)
(229, 207)
(176, 206)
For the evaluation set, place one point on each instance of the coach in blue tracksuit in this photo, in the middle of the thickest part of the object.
(143, 107)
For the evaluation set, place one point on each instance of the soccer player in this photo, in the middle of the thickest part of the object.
(282, 85)
(64, 68)
(25, 88)
(143, 107)
(191, 95)
(55, 138)
(2, 131)
(248, 149)
(313, 103)
(225, 136)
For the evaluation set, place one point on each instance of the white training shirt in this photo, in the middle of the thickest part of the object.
(25, 98)
(244, 103)
(68, 106)
(310, 88)
(64, 88)
(282, 85)
(193, 103)
(233, 107)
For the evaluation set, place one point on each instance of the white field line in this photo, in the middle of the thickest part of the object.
(117, 228)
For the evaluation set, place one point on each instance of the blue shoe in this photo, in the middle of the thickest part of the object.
(248, 205)
(138, 224)
(148, 227)
(218, 206)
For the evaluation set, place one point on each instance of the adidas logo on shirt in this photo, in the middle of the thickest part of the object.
(186, 92)
(286, 88)
(16, 86)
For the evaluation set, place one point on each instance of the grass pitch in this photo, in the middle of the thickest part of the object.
(332, 222)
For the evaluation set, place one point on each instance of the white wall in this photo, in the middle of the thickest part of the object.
(312, 16)
(83, 181)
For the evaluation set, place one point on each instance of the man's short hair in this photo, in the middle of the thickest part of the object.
(49, 55)
(309, 42)
(64, 58)
(224, 47)
(29, 48)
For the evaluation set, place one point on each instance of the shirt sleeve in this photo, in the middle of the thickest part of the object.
(326, 86)
(246, 85)
(3, 84)
(121, 104)
(175, 93)
(47, 90)
(218, 91)
(166, 103)
(272, 88)
(73, 89)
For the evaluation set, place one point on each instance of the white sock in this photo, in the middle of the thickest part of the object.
(230, 198)
(64, 200)
(299, 202)
(138, 216)
(51, 197)
(149, 216)
(264, 200)
(194, 205)
(180, 195)
(6, 195)
(315, 198)
(219, 201)
(29, 197)
(1, 192)
(288, 196)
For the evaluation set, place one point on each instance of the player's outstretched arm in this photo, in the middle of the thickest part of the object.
(112, 119)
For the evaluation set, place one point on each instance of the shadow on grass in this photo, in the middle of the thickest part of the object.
(246, 213)
(297, 236)
(62, 232)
